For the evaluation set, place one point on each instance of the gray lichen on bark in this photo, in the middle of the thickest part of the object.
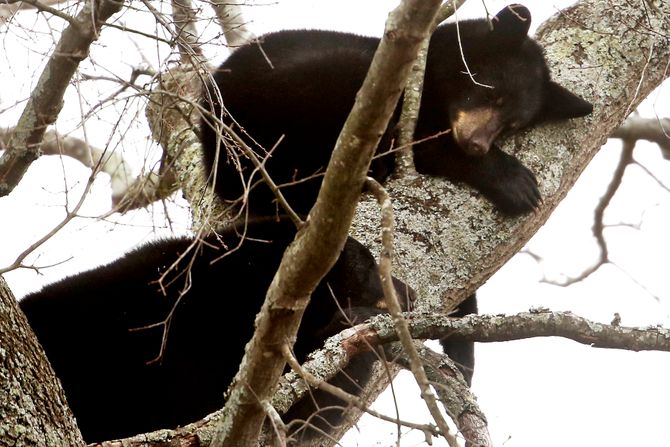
(33, 411)
(449, 240)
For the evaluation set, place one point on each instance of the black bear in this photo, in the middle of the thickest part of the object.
(102, 332)
(460, 351)
(289, 94)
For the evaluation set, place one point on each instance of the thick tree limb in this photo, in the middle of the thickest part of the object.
(46, 99)
(32, 403)
(449, 239)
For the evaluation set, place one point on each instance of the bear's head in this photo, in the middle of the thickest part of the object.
(503, 83)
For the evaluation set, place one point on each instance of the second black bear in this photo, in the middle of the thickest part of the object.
(96, 328)
(289, 94)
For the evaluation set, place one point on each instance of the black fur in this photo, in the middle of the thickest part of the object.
(301, 85)
(462, 352)
(86, 325)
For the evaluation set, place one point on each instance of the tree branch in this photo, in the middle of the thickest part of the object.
(308, 259)
(535, 323)
(656, 130)
(412, 97)
(40, 6)
(32, 402)
(455, 395)
(46, 99)
(232, 22)
(10, 7)
(595, 50)
(184, 19)
(461, 405)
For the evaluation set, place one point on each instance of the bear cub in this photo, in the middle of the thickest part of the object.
(102, 332)
(289, 94)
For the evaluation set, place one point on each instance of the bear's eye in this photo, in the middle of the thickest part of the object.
(499, 102)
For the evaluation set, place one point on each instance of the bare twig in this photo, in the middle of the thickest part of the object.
(259, 165)
(183, 34)
(315, 382)
(656, 130)
(455, 395)
(70, 214)
(8, 7)
(411, 354)
(598, 223)
(598, 219)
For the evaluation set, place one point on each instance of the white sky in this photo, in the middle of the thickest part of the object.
(546, 392)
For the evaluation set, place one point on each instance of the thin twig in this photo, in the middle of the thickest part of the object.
(385, 263)
(346, 397)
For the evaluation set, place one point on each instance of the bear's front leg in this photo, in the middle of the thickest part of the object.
(504, 180)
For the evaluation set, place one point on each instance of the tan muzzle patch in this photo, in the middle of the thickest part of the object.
(476, 129)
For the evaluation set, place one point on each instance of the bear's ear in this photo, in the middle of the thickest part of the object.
(560, 103)
(511, 24)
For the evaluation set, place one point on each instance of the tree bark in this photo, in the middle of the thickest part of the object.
(33, 411)
(449, 240)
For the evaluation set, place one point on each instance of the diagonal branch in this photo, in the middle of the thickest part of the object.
(308, 259)
(412, 97)
(232, 22)
(46, 100)
(459, 402)
(184, 18)
(10, 6)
